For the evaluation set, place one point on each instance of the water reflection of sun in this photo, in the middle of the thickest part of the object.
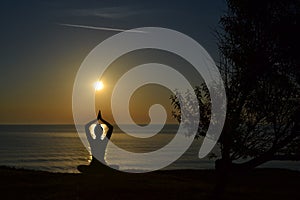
(98, 85)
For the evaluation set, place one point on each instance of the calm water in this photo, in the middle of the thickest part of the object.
(59, 149)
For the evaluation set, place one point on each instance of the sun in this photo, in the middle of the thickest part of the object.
(98, 85)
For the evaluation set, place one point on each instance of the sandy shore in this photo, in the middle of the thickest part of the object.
(177, 184)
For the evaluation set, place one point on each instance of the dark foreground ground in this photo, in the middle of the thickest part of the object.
(179, 184)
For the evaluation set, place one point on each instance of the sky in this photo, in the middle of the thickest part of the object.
(40, 57)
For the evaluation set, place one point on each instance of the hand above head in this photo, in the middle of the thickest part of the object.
(99, 117)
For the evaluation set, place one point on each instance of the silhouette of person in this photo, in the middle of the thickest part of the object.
(102, 133)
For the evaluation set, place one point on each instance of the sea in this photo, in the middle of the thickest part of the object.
(58, 148)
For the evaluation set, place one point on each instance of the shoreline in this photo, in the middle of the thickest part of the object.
(164, 184)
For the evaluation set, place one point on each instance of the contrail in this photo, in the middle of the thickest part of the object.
(100, 28)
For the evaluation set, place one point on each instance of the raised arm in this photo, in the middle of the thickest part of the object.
(103, 120)
(90, 123)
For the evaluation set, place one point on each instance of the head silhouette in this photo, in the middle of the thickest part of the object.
(98, 131)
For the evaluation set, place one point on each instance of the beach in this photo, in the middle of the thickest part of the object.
(43, 163)
(167, 184)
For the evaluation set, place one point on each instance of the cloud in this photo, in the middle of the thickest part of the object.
(100, 28)
(108, 12)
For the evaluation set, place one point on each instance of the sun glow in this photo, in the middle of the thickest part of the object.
(98, 85)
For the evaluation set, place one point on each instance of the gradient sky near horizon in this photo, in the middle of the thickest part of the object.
(40, 58)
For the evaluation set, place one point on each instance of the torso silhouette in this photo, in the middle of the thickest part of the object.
(98, 144)
(98, 137)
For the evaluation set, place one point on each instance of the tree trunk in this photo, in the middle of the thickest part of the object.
(222, 165)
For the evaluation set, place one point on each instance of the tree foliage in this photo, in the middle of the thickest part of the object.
(259, 63)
